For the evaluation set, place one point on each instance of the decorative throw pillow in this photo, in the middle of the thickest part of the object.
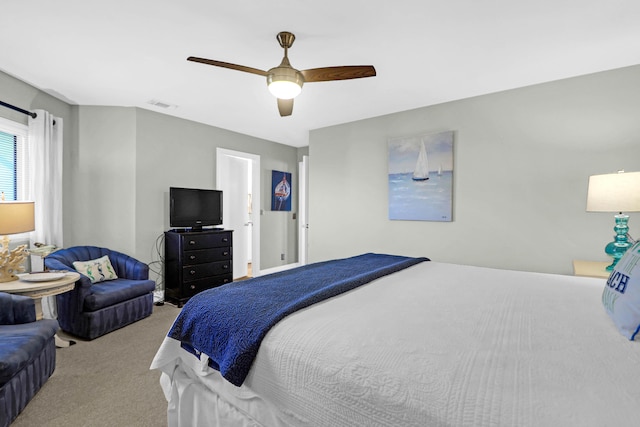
(97, 270)
(621, 296)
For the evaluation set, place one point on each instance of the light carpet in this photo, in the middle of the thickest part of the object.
(107, 381)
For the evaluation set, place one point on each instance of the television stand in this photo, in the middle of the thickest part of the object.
(195, 261)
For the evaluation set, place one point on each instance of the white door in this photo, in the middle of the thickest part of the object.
(236, 176)
(303, 200)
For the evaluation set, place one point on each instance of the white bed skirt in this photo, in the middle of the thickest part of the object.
(188, 385)
(191, 403)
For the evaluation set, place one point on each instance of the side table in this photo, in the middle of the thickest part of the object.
(37, 290)
(591, 268)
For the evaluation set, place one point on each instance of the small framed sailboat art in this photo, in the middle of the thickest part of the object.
(421, 177)
(280, 191)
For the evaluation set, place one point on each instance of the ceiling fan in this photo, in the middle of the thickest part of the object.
(285, 82)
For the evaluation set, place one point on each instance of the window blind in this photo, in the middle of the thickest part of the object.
(14, 160)
(9, 165)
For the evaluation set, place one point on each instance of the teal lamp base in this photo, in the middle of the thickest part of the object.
(619, 246)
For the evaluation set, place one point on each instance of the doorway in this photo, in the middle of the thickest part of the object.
(238, 176)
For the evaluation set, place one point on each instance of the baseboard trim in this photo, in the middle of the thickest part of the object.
(279, 268)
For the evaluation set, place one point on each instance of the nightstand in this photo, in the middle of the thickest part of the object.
(591, 268)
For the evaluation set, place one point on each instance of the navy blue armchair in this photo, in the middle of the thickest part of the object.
(27, 354)
(91, 310)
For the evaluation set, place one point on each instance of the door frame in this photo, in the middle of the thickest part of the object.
(303, 210)
(255, 198)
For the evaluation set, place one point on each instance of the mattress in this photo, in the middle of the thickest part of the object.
(436, 344)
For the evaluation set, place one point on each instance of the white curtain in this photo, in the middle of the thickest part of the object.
(45, 187)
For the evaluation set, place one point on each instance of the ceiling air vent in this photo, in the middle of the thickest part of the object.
(161, 104)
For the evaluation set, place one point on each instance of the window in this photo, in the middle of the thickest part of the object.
(13, 162)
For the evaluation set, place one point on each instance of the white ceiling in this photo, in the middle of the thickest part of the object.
(126, 53)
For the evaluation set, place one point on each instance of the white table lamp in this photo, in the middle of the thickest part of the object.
(615, 192)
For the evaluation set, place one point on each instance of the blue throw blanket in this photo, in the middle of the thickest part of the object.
(228, 323)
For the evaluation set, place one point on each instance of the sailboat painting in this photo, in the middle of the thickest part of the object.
(280, 191)
(421, 177)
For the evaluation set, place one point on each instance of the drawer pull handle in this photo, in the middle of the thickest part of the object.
(192, 272)
(225, 253)
(192, 257)
(225, 266)
(192, 242)
(193, 286)
(224, 239)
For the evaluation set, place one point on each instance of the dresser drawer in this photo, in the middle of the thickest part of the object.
(202, 256)
(193, 241)
(192, 288)
(200, 271)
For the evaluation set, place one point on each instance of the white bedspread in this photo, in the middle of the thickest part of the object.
(434, 345)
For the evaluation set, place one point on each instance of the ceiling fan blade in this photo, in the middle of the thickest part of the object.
(227, 65)
(347, 72)
(285, 106)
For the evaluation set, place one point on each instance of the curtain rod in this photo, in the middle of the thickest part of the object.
(28, 113)
(13, 107)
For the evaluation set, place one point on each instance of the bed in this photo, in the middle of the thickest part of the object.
(433, 344)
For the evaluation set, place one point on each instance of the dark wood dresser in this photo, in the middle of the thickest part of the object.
(195, 261)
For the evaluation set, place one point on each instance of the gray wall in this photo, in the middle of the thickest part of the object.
(177, 152)
(119, 163)
(101, 197)
(522, 161)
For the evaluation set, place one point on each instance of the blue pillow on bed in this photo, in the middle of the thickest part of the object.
(621, 296)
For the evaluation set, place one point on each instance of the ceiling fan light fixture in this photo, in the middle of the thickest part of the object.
(285, 82)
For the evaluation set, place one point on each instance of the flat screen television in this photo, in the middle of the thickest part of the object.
(194, 208)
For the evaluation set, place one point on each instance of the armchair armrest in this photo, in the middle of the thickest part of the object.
(138, 271)
(54, 264)
(74, 299)
(128, 267)
(16, 309)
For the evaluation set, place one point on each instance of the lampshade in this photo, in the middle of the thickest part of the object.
(614, 192)
(16, 217)
(284, 82)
